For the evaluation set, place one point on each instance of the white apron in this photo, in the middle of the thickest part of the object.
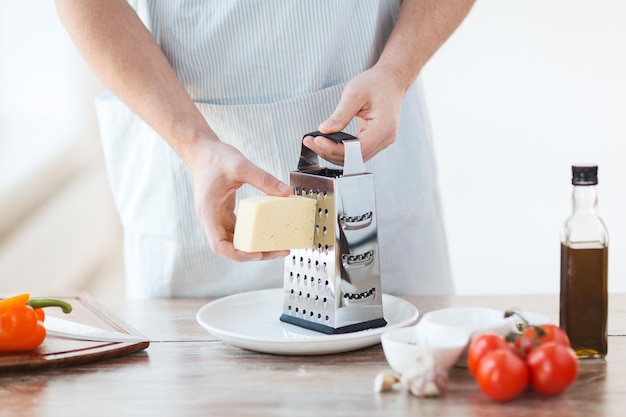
(262, 82)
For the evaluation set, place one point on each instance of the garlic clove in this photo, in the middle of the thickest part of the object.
(425, 378)
(385, 382)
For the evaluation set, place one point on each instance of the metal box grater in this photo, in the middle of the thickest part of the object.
(335, 287)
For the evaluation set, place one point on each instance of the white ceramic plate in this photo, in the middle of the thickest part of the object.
(250, 320)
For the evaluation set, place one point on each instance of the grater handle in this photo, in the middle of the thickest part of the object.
(353, 158)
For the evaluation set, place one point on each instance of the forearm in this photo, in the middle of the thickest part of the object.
(422, 27)
(122, 52)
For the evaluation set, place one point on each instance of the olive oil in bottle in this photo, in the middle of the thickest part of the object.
(584, 269)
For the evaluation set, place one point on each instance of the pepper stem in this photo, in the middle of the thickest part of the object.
(50, 302)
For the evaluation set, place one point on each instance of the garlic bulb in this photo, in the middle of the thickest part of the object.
(425, 378)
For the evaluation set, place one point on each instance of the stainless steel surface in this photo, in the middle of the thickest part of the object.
(336, 283)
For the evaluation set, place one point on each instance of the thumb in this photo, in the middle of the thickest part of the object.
(267, 183)
(342, 116)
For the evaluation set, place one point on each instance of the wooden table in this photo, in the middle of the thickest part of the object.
(188, 372)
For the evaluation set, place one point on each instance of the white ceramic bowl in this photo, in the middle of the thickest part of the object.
(475, 320)
(446, 343)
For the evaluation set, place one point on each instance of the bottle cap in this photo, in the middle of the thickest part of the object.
(584, 174)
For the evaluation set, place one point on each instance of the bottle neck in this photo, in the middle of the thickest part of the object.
(585, 199)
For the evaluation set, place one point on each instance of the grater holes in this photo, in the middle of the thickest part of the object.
(361, 295)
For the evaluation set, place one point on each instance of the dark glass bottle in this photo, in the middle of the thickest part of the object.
(584, 269)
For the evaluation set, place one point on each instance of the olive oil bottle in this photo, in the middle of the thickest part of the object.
(584, 268)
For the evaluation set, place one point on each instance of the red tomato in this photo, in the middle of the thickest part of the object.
(535, 336)
(552, 368)
(481, 345)
(553, 334)
(502, 375)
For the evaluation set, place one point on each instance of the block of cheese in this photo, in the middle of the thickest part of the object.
(268, 223)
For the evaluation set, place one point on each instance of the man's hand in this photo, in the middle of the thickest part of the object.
(218, 170)
(373, 97)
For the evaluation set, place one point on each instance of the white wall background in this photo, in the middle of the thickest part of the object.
(59, 231)
(521, 91)
(45, 90)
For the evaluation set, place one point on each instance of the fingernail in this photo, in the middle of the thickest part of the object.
(284, 188)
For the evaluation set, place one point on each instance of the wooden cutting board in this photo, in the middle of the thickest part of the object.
(57, 352)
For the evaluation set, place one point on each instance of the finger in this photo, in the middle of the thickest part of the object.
(242, 256)
(349, 106)
(223, 246)
(369, 143)
(219, 226)
(227, 250)
(265, 181)
(221, 241)
(326, 148)
(275, 254)
(375, 138)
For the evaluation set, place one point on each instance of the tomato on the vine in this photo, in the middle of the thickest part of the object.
(552, 368)
(540, 358)
(535, 336)
(481, 345)
(501, 374)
